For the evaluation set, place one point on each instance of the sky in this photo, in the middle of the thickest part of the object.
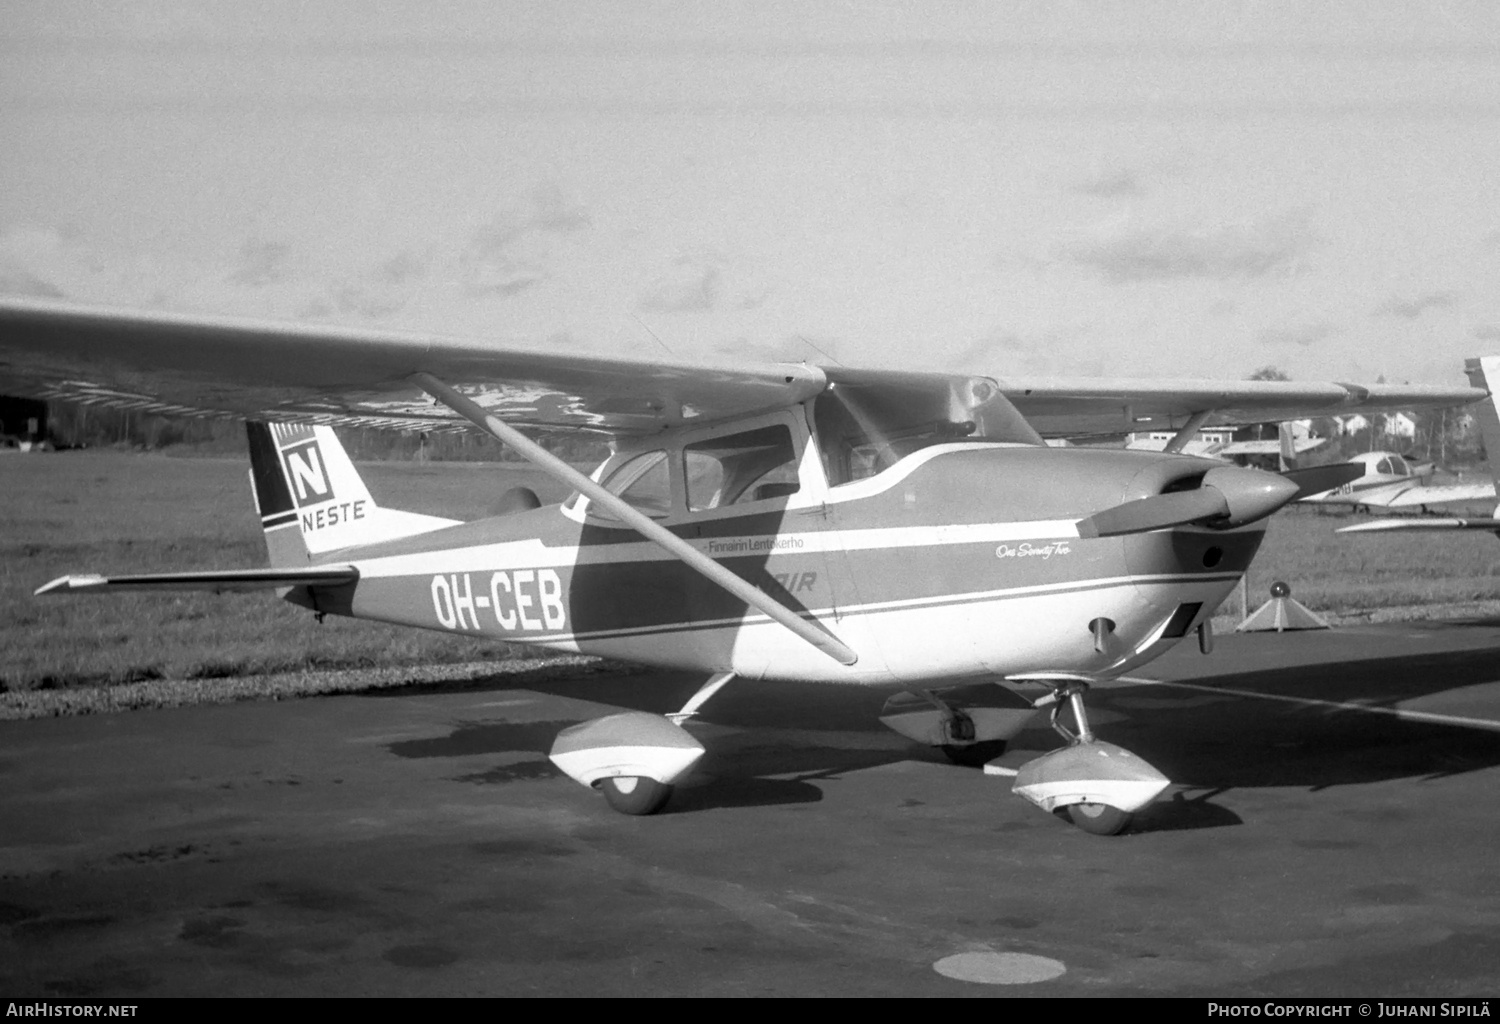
(1101, 189)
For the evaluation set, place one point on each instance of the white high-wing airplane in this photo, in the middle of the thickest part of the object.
(1288, 444)
(1487, 413)
(1391, 481)
(816, 523)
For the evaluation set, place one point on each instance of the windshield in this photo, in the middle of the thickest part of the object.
(865, 429)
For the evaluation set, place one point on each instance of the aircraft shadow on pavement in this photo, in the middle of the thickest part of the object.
(1203, 741)
(739, 767)
(1217, 742)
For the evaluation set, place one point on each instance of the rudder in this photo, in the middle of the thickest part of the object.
(312, 500)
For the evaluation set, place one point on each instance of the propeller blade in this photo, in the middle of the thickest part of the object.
(1228, 496)
(1155, 513)
(1317, 479)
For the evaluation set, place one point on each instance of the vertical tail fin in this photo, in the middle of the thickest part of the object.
(1288, 438)
(311, 499)
(1484, 372)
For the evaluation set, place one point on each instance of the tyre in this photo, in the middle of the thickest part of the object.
(1099, 819)
(635, 794)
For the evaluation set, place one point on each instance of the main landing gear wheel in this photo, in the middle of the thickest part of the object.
(1099, 819)
(974, 755)
(635, 794)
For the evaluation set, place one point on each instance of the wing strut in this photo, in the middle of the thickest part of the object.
(811, 631)
(1182, 437)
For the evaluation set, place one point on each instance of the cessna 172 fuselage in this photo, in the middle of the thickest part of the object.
(976, 543)
(791, 522)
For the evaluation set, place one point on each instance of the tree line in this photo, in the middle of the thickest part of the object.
(1448, 437)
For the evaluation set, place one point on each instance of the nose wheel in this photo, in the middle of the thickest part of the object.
(1099, 819)
(635, 794)
(1097, 784)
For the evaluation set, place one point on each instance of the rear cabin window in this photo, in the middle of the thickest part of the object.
(757, 465)
(644, 483)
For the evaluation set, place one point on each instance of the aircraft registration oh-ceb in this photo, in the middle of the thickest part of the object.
(794, 522)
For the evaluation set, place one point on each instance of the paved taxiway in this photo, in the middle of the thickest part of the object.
(419, 842)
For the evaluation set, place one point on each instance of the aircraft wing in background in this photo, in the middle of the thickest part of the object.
(1394, 525)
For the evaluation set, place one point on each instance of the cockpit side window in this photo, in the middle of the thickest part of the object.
(1399, 467)
(1384, 466)
(756, 465)
(644, 482)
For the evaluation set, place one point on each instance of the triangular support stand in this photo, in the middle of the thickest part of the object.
(1281, 613)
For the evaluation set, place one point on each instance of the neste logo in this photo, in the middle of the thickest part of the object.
(307, 474)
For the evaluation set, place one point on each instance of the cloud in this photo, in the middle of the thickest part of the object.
(1301, 336)
(743, 349)
(550, 212)
(1112, 186)
(1416, 307)
(1247, 249)
(689, 286)
(497, 257)
(754, 298)
(23, 282)
(501, 277)
(262, 263)
(1487, 332)
(978, 354)
(402, 268)
(510, 252)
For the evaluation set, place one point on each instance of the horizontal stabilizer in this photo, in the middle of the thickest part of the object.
(1388, 525)
(216, 581)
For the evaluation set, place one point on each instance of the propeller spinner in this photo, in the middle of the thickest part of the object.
(1227, 496)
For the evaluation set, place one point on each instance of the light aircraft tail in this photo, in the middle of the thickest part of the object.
(1484, 372)
(311, 498)
(1288, 447)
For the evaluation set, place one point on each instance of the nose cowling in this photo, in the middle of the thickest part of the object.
(1226, 497)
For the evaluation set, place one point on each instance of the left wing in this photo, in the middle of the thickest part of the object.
(184, 364)
(177, 364)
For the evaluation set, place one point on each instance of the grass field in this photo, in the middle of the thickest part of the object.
(109, 512)
(114, 512)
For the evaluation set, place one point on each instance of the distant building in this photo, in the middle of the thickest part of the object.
(1209, 436)
(23, 422)
(1398, 424)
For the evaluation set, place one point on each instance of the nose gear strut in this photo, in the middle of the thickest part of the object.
(1099, 784)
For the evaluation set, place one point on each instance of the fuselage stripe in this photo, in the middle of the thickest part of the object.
(851, 611)
(533, 553)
